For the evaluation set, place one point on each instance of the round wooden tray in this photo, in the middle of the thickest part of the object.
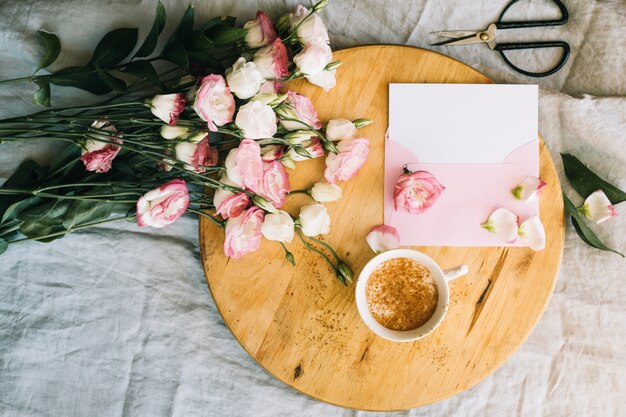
(302, 325)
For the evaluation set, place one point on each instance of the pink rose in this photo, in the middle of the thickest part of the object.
(275, 184)
(214, 102)
(97, 154)
(197, 156)
(416, 192)
(271, 61)
(345, 165)
(260, 31)
(297, 112)
(167, 107)
(312, 149)
(227, 203)
(307, 27)
(243, 233)
(313, 58)
(244, 165)
(163, 205)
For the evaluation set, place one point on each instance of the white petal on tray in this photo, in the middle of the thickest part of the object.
(597, 207)
(528, 189)
(532, 233)
(383, 238)
(504, 224)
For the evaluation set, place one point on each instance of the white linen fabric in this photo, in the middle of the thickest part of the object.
(118, 321)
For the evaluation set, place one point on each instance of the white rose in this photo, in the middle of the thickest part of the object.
(232, 170)
(313, 58)
(340, 129)
(257, 120)
(278, 226)
(314, 220)
(307, 28)
(244, 79)
(325, 193)
(174, 132)
(325, 79)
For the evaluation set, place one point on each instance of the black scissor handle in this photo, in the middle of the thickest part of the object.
(532, 45)
(535, 23)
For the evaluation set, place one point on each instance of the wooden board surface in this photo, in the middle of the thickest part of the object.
(302, 325)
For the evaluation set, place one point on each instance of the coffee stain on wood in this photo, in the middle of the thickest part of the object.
(364, 353)
(480, 303)
(297, 372)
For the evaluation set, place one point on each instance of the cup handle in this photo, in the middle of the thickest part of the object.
(454, 273)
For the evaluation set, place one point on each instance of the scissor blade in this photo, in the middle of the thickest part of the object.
(473, 38)
(454, 33)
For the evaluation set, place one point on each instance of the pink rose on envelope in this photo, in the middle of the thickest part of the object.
(416, 191)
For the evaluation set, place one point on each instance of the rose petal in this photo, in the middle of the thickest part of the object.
(382, 238)
(504, 224)
(528, 189)
(532, 233)
(598, 207)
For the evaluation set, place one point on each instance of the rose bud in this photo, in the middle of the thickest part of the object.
(278, 226)
(260, 31)
(214, 102)
(167, 107)
(325, 193)
(98, 152)
(346, 164)
(340, 129)
(532, 233)
(197, 156)
(256, 120)
(275, 185)
(227, 203)
(311, 150)
(504, 224)
(325, 79)
(313, 58)
(297, 112)
(597, 207)
(382, 238)
(271, 153)
(415, 192)
(528, 189)
(244, 79)
(244, 165)
(307, 28)
(163, 205)
(174, 132)
(298, 137)
(271, 61)
(243, 233)
(263, 203)
(314, 220)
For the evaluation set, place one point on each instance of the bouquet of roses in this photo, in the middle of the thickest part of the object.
(217, 141)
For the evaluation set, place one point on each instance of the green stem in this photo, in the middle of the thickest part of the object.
(327, 246)
(321, 254)
(213, 219)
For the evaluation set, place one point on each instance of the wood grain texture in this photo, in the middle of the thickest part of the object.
(302, 325)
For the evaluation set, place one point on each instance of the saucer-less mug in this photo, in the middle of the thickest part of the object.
(441, 277)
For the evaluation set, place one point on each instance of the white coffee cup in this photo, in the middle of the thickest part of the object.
(441, 278)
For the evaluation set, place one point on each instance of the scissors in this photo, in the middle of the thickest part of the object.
(488, 36)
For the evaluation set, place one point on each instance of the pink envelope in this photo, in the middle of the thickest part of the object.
(474, 189)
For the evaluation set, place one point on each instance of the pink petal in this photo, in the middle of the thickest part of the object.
(532, 233)
(382, 238)
(528, 189)
(598, 207)
(504, 224)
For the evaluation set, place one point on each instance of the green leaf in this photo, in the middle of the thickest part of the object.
(42, 96)
(68, 154)
(145, 71)
(53, 49)
(225, 36)
(198, 41)
(27, 174)
(3, 246)
(153, 36)
(51, 213)
(79, 77)
(204, 59)
(184, 28)
(86, 211)
(219, 21)
(177, 54)
(114, 84)
(38, 231)
(16, 208)
(585, 233)
(114, 47)
(585, 181)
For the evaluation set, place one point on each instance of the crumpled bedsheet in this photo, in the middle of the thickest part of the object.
(118, 321)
